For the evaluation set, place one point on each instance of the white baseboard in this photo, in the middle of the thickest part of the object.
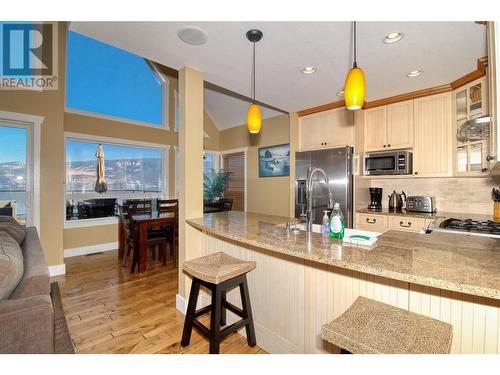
(181, 303)
(57, 270)
(85, 250)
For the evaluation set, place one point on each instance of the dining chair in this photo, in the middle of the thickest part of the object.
(228, 203)
(154, 240)
(172, 231)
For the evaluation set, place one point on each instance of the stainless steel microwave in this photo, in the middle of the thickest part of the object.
(389, 163)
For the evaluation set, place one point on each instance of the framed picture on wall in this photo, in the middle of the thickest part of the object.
(274, 161)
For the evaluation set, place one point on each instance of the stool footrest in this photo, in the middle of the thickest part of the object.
(202, 311)
(234, 309)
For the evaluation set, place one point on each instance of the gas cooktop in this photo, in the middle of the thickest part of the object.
(486, 228)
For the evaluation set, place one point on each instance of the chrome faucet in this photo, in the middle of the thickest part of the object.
(309, 191)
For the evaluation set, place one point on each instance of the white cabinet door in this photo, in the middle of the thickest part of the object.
(338, 128)
(432, 154)
(375, 126)
(400, 125)
(310, 131)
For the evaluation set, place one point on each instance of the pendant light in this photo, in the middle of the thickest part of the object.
(355, 86)
(254, 117)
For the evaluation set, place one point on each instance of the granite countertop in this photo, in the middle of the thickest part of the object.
(461, 263)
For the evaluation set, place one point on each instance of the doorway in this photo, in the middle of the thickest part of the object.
(17, 172)
(235, 163)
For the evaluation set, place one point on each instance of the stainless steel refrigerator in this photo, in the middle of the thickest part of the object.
(337, 163)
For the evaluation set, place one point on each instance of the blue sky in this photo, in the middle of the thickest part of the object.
(14, 149)
(108, 80)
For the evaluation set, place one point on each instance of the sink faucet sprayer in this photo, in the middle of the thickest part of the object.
(309, 190)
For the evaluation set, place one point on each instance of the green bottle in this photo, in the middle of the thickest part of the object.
(337, 222)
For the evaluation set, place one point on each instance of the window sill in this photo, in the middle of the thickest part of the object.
(83, 223)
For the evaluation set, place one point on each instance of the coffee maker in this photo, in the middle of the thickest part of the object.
(375, 199)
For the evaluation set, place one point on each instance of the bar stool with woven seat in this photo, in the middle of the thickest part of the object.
(219, 273)
(372, 327)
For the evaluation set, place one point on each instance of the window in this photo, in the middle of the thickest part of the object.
(16, 172)
(105, 80)
(132, 171)
(210, 161)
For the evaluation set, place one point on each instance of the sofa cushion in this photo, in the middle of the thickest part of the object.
(36, 277)
(11, 265)
(13, 228)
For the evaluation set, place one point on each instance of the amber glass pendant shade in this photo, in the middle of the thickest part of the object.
(354, 89)
(254, 118)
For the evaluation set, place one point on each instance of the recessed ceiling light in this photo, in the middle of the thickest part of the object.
(309, 70)
(393, 38)
(193, 35)
(414, 73)
(341, 93)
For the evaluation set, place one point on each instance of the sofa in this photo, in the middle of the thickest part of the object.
(26, 304)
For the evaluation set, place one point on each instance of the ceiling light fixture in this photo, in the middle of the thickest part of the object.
(414, 73)
(193, 35)
(309, 70)
(254, 117)
(393, 38)
(355, 85)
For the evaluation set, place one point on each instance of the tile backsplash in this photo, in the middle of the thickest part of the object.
(467, 195)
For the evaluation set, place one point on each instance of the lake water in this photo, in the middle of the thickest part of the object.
(18, 196)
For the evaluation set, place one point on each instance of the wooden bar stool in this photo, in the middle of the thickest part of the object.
(219, 273)
(371, 327)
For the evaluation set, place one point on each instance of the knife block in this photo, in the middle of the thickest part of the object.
(496, 212)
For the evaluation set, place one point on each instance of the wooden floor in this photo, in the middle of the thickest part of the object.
(110, 311)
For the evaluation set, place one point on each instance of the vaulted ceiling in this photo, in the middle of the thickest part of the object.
(443, 50)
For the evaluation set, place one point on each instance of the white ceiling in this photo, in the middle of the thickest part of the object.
(443, 50)
(227, 112)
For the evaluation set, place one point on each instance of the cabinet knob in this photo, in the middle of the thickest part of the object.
(416, 173)
(389, 145)
(385, 146)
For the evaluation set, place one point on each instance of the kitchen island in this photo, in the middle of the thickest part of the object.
(303, 281)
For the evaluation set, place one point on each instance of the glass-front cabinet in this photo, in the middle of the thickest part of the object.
(472, 140)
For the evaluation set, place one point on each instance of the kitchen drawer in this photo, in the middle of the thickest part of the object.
(372, 220)
(408, 224)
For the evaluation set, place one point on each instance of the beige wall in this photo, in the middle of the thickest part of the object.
(50, 105)
(89, 236)
(267, 195)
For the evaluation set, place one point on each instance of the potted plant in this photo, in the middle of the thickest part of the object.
(215, 184)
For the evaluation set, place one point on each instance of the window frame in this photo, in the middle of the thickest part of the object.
(71, 136)
(35, 123)
(165, 92)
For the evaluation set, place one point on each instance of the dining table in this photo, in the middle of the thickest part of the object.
(145, 222)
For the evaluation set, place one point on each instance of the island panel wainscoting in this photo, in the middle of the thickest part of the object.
(302, 283)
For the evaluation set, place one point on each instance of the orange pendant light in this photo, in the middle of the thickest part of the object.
(355, 85)
(254, 116)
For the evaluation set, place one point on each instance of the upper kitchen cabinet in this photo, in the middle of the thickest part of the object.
(389, 127)
(375, 126)
(333, 128)
(472, 141)
(432, 152)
